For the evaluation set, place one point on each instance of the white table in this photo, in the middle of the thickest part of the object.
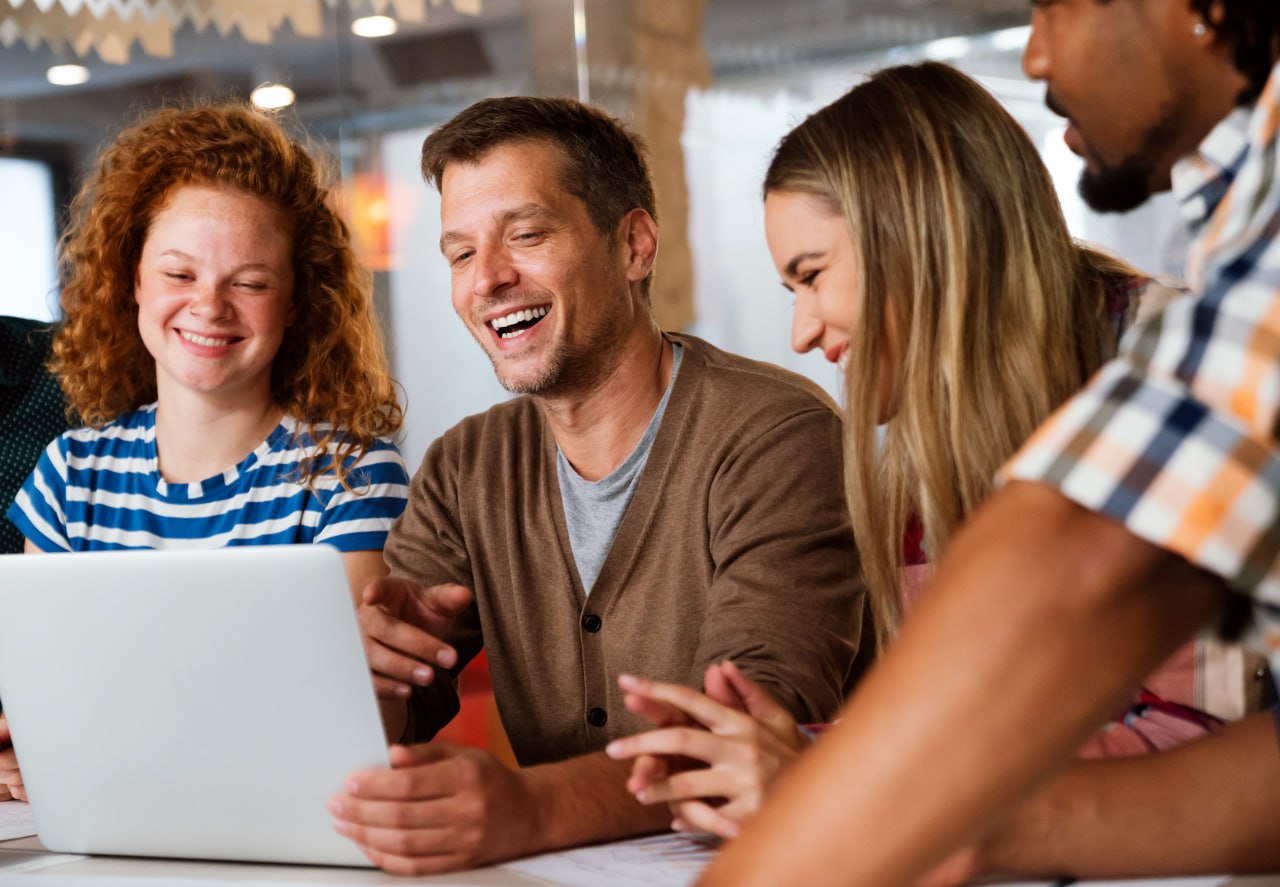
(25, 863)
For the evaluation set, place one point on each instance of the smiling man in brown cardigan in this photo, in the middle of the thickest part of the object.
(651, 505)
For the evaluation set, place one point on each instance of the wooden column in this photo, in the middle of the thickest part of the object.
(643, 58)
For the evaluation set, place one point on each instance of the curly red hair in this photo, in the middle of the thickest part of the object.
(331, 370)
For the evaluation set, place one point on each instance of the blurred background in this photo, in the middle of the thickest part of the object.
(710, 84)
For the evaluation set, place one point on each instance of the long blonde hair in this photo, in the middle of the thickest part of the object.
(997, 315)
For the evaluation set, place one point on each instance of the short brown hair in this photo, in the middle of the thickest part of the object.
(331, 369)
(604, 163)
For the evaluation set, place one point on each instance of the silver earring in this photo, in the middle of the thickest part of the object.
(1199, 29)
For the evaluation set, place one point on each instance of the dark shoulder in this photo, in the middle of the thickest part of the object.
(743, 384)
(24, 347)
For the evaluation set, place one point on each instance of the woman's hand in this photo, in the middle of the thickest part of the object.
(736, 730)
(10, 776)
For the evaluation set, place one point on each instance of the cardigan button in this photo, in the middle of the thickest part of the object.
(592, 623)
(597, 717)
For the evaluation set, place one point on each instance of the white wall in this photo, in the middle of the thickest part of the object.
(27, 235)
(445, 374)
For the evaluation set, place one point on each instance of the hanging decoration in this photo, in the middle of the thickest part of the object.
(112, 27)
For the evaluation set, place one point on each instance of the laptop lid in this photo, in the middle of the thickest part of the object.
(196, 704)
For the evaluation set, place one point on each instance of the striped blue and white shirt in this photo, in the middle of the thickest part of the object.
(101, 489)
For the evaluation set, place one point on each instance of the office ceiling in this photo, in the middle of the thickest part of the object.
(450, 59)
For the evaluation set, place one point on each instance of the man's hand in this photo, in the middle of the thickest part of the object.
(402, 623)
(439, 808)
(11, 786)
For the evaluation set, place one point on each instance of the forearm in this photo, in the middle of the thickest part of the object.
(584, 800)
(955, 725)
(1208, 807)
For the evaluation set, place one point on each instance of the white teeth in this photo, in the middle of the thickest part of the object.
(204, 340)
(500, 323)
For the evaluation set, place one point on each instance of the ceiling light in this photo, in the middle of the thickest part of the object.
(948, 48)
(272, 96)
(67, 75)
(1011, 39)
(374, 26)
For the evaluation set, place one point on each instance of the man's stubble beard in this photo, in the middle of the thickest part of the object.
(572, 367)
(1119, 188)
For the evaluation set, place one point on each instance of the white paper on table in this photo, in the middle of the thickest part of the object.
(1215, 881)
(659, 861)
(16, 820)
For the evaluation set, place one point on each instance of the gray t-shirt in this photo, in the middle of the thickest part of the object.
(593, 510)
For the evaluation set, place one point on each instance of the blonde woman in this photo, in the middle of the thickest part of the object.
(920, 234)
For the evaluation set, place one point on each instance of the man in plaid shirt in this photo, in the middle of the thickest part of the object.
(1146, 508)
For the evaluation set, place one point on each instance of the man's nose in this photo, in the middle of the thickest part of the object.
(1035, 57)
(493, 272)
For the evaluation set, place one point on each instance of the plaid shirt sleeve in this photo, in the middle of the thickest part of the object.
(1176, 438)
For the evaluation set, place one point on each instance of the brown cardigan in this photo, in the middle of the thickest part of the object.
(736, 545)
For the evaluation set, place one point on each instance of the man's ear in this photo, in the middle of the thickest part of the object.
(638, 237)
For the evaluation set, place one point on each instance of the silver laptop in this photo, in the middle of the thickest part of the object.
(200, 704)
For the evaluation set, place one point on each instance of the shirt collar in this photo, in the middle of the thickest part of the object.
(1201, 179)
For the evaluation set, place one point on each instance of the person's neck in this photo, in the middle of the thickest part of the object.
(597, 429)
(198, 437)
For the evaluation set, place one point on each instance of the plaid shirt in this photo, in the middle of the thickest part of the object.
(1177, 437)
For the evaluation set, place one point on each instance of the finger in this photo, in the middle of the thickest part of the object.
(4, 729)
(419, 782)
(420, 753)
(385, 688)
(399, 650)
(657, 713)
(699, 816)
(384, 590)
(697, 705)
(758, 701)
(443, 602)
(19, 792)
(689, 742)
(708, 782)
(401, 815)
(4, 793)
(761, 705)
(396, 668)
(719, 688)
(646, 770)
(433, 608)
(9, 759)
(406, 844)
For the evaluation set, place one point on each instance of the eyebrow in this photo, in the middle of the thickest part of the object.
(516, 214)
(794, 264)
(253, 266)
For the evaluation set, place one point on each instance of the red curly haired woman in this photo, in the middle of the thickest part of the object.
(220, 346)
